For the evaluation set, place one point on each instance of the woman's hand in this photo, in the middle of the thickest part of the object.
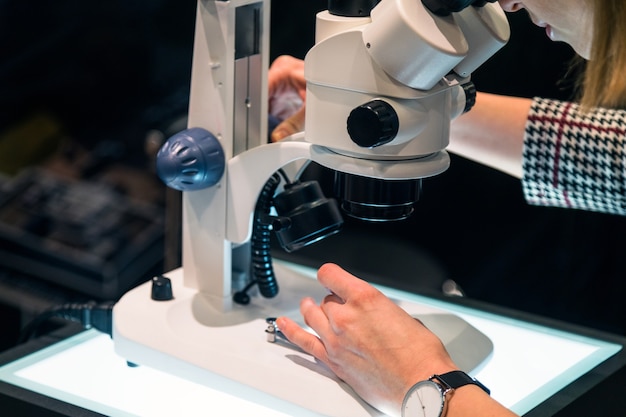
(367, 340)
(287, 92)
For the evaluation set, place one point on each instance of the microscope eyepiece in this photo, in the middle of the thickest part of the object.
(445, 7)
(351, 8)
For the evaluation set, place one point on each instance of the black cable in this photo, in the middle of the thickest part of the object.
(242, 297)
(90, 314)
(262, 268)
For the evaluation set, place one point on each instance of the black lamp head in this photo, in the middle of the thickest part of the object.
(312, 216)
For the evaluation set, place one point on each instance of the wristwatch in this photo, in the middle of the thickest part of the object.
(428, 398)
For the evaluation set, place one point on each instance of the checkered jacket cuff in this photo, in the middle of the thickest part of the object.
(573, 159)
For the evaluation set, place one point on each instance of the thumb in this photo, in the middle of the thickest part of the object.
(289, 126)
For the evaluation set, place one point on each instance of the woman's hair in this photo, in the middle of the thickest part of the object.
(604, 80)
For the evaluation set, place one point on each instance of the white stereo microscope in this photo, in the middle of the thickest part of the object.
(384, 80)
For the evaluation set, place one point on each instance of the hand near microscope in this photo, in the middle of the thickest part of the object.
(287, 90)
(376, 347)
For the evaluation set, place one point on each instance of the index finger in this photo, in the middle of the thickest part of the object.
(339, 281)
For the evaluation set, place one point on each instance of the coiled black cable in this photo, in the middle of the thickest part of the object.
(262, 268)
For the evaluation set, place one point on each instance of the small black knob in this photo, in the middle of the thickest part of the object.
(470, 95)
(373, 124)
(162, 289)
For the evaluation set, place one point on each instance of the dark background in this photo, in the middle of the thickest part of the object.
(111, 74)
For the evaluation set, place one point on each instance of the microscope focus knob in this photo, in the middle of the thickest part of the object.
(373, 124)
(191, 160)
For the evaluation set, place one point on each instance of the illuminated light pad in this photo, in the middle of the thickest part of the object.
(84, 370)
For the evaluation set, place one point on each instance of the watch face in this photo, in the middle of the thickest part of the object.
(425, 399)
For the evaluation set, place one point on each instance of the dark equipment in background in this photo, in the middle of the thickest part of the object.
(85, 236)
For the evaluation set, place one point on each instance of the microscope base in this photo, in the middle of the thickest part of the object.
(230, 351)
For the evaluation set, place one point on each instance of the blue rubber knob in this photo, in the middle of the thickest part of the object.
(191, 160)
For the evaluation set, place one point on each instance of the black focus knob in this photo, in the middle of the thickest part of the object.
(373, 124)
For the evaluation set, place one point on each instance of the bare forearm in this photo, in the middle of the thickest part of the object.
(492, 133)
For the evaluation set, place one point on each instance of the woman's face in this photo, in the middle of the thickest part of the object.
(569, 21)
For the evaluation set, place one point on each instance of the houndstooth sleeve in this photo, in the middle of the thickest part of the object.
(573, 159)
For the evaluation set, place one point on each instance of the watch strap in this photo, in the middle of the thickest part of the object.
(457, 379)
